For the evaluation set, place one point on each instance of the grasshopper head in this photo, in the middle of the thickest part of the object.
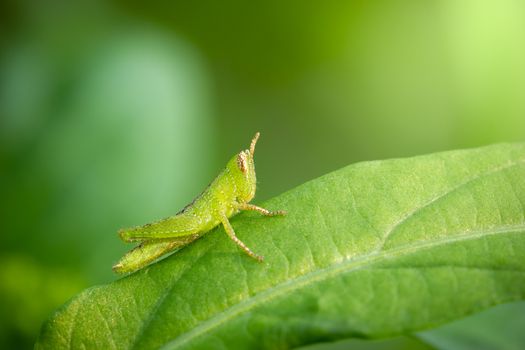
(244, 172)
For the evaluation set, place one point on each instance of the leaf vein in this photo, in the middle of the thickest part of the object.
(390, 232)
(162, 299)
(346, 266)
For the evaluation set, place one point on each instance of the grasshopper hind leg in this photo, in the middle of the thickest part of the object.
(170, 228)
(149, 251)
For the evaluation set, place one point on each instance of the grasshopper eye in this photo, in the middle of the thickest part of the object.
(242, 162)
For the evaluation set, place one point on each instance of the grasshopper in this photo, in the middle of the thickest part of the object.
(227, 195)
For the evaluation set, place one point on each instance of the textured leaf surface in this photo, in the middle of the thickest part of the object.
(372, 250)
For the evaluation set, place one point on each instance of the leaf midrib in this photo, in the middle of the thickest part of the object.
(330, 271)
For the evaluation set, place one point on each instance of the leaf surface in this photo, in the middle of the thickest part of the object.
(500, 327)
(372, 250)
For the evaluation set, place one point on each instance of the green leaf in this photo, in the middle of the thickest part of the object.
(373, 250)
(500, 327)
(399, 343)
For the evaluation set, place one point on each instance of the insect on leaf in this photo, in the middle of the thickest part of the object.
(227, 195)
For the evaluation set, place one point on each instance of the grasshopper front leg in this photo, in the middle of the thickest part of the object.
(265, 212)
(231, 233)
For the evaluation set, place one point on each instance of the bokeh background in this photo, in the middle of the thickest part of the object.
(114, 113)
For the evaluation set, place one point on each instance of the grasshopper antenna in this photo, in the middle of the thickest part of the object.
(254, 141)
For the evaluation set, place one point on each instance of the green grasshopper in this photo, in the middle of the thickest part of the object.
(226, 196)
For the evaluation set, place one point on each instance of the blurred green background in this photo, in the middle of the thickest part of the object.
(114, 113)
